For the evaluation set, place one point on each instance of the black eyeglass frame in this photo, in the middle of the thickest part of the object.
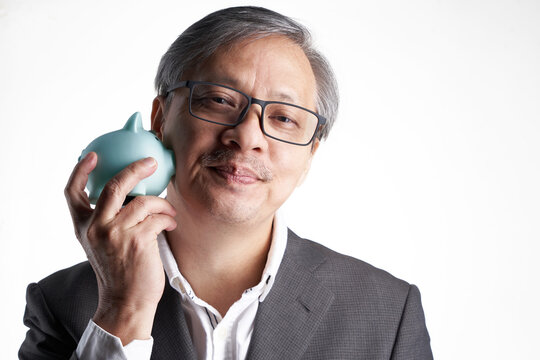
(321, 120)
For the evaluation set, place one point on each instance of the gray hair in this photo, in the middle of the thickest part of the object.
(225, 27)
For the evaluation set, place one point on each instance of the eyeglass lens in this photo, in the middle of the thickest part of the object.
(225, 106)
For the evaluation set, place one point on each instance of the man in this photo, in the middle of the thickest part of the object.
(243, 101)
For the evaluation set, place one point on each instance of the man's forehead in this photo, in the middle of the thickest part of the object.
(286, 68)
(276, 43)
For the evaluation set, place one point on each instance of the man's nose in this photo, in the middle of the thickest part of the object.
(247, 135)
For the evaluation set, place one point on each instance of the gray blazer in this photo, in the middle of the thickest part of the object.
(323, 305)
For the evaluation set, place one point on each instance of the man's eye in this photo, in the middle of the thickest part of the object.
(284, 119)
(220, 100)
(212, 101)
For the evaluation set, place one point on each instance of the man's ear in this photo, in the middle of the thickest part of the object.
(158, 116)
(314, 148)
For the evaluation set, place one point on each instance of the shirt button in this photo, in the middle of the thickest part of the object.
(220, 333)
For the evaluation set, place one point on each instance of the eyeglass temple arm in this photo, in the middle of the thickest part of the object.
(178, 85)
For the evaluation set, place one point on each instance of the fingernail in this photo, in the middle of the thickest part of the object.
(87, 156)
(149, 162)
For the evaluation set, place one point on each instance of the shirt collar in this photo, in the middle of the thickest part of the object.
(275, 255)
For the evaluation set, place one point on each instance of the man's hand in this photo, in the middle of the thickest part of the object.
(121, 245)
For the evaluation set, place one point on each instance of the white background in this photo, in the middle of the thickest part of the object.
(432, 171)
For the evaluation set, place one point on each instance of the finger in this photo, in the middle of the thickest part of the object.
(112, 197)
(155, 224)
(76, 197)
(141, 207)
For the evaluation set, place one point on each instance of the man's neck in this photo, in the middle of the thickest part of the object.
(220, 260)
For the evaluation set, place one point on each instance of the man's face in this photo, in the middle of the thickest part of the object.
(237, 174)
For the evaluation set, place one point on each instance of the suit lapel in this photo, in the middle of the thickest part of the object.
(172, 339)
(287, 319)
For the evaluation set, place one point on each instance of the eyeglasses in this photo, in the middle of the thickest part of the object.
(224, 105)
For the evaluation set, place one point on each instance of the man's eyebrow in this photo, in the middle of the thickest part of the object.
(277, 95)
(222, 80)
(284, 96)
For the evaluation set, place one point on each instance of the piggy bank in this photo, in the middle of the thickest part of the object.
(118, 149)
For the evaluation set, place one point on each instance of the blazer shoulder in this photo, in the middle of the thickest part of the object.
(69, 293)
(339, 271)
(73, 280)
(58, 309)
(372, 312)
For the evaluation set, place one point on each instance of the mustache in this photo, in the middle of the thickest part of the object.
(226, 156)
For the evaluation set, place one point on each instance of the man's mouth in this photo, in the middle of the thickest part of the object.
(237, 174)
(236, 168)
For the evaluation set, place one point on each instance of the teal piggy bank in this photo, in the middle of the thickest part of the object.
(118, 149)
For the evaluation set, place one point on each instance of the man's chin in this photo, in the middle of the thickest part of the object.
(227, 205)
(233, 214)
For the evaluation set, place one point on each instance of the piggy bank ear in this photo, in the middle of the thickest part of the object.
(158, 116)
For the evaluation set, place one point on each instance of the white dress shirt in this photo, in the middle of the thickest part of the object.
(214, 336)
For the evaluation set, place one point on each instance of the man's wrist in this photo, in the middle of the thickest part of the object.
(96, 343)
(126, 322)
